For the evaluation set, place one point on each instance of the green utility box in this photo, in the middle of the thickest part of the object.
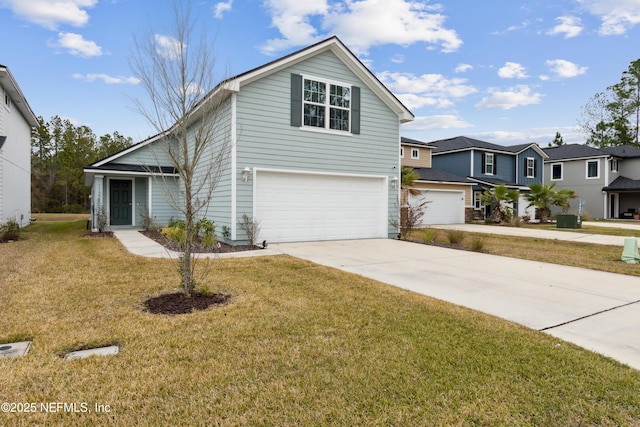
(568, 221)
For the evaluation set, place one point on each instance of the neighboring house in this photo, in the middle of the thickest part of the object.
(449, 196)
(314, 155)
(489, 165)
(16, 121)
(607, 180)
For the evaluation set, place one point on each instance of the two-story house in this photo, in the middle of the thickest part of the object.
(448, 196)
(489, 165)
(314, 140)
(607, 180)
(16, 121)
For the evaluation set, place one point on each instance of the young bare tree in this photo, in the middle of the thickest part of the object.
(185, 108)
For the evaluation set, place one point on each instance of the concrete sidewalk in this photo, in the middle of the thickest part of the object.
(596, 310)
(575, 236)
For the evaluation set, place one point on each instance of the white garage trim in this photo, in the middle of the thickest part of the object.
(444, 207)
(294, 205)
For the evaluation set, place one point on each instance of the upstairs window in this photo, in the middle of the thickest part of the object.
(323, 104)
(530, 163)
(488, 164)
(614, 165)
(556, 172)
(415, 153)
(326, 105)
(593, 171)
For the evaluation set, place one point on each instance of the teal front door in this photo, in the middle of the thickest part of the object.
(120, 206)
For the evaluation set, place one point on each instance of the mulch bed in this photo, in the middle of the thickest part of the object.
(179, 303)
(220, 247)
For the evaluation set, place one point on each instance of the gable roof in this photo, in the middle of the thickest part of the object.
(333, 44)
(464, 143)
(623, 151)
(17, 98)
(572, 152)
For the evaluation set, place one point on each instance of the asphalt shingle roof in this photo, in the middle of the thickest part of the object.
(623, 151)
(465, 143)
(622, 183)
(572, 151)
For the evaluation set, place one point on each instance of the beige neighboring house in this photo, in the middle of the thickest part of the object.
(16, 122)
(449, 196)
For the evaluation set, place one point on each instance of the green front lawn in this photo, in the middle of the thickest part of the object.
(299, 345)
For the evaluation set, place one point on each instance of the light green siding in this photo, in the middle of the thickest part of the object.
(267, 140)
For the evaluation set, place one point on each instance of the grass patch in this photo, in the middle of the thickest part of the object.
(575, 254)
(298, 344)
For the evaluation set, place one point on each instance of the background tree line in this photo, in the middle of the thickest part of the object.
(59, 152)
(612, 117)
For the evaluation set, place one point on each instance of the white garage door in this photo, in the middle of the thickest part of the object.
(444, 207)
(293, 207)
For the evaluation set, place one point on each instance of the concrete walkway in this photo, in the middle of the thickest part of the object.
(138, 244)
(576, 236)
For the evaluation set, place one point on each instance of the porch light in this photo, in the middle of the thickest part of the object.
(394, 182)
(245, 174)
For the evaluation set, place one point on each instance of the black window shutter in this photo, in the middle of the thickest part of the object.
(296, 100)
(535, 168)
(355, 110)
(495, 164)
(484, 163)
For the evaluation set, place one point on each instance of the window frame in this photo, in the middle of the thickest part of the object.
(402, 152)
(531, 167)
(415, 151)
(614, 165)
(561, 172)
(597, 163)
(327, 106)
(488, 156)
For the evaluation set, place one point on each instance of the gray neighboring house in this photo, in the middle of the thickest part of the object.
(16, 121)
(314, 138)
(607, 179)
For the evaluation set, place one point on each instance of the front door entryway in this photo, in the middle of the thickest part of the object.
(121, 202)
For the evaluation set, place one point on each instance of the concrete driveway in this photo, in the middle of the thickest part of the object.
(596, 310)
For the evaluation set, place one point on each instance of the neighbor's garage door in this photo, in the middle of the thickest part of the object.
(444, 207)
(293, 207)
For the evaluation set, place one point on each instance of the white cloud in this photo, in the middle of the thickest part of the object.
(51, 13)
(513, 97)
(426, 90)
(400, 22)
(437, 122)
(76, 45)
(220, 8)
(167, 46)
(565, 69)
(434, 85)
(512, 70)
(110, 80)
(617, 16)
(570, 26)
(397, 59)
(463, 68)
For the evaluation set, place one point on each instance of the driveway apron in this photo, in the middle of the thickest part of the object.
(596, 310)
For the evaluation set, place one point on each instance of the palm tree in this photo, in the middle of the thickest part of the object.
(561, 199)
(541, 197)
(499, 197)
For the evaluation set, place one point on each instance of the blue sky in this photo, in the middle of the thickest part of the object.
(504, 71)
